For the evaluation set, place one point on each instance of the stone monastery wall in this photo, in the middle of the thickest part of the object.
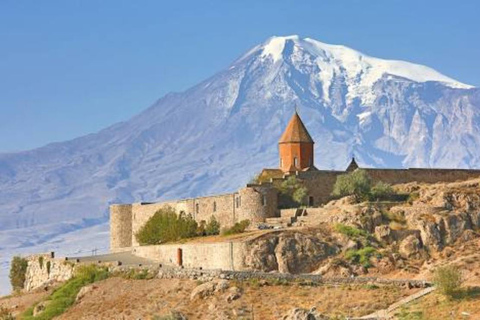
(258, 202)
(251, 203)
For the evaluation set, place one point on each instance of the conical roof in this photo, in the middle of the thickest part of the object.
(295, 131)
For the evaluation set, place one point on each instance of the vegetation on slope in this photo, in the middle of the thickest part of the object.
(63, 297)
(166, 225)
(18, 270)
(359, 185)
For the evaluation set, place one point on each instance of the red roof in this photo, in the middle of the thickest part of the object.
(296, 131)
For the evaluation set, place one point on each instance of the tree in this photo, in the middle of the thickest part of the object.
(300, 194)
(213, 227)
(356, 183)
(293, 188)
(382, 190)
(448, 280)
(165, 225)
(18, 269)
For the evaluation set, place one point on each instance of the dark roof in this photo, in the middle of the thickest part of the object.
(296, 131)
(352, 166)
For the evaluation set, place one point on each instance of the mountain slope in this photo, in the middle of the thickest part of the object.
(216, 135)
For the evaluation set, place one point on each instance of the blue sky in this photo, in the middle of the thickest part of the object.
(68, 68)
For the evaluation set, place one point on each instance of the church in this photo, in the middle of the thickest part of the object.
(262, 199)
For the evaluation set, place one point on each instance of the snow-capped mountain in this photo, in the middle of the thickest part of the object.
(215, 136)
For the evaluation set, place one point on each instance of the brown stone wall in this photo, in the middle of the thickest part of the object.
(222, 207)
(120, 226)
(257, 203)
(395, 176)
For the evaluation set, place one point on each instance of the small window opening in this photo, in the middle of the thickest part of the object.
(214, 206)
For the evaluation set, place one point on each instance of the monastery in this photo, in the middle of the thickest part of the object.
(262, 200)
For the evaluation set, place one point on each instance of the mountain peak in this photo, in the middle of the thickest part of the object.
(329, 63)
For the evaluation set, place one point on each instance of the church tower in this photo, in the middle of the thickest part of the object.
(296, 147)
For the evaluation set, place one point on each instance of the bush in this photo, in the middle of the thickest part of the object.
(299, 195)
(361, 256)
(351, 232)
(448, 280)
(213, 227)
(165, 225)
(63, 297)
(356, 183)
(238, 227)
(381, 191)
(18, 269)
(294, 189)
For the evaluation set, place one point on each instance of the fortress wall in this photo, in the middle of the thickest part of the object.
(319, 184)
(256, 203)
(219, 255)
(222, 207)
(43, 269)
(395, 176)
(141, 212)
(120, 226)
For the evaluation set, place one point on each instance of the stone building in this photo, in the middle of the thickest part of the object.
(262, 200)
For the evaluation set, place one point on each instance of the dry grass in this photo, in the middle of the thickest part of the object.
(132, 299)
(435, 307)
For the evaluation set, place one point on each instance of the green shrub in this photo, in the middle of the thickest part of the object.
(382, 191)
(448, 280)
(349, 231)
(165, 225)
(294, 189)
(49, 266)
(299, 195)
(18, 269)
(213, 227)
(238, 227)
(361, 256)
(356, 183)
(64, 296)
(40, 261)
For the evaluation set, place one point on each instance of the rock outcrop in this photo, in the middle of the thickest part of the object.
(288, 252)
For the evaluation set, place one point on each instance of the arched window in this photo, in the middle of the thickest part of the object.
(264, 200)
(295, 162)
(214, 206)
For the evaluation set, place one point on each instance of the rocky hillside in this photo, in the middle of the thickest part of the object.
(437, 224)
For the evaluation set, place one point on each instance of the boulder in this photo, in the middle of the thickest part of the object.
(233, 294)
(304, 314)
(410, 247)
(209, 288)
(40, 307)
(84, 291)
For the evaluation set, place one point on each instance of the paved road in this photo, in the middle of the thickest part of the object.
(126, 258)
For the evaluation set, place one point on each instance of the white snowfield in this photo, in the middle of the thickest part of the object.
(360, 71)
(215, 136)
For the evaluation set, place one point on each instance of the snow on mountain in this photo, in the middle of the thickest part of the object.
(215, 136)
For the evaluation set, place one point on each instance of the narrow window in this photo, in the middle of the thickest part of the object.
(197, 208)
(281, 162)
(295, 162)
(214, 206)
(264, 200)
